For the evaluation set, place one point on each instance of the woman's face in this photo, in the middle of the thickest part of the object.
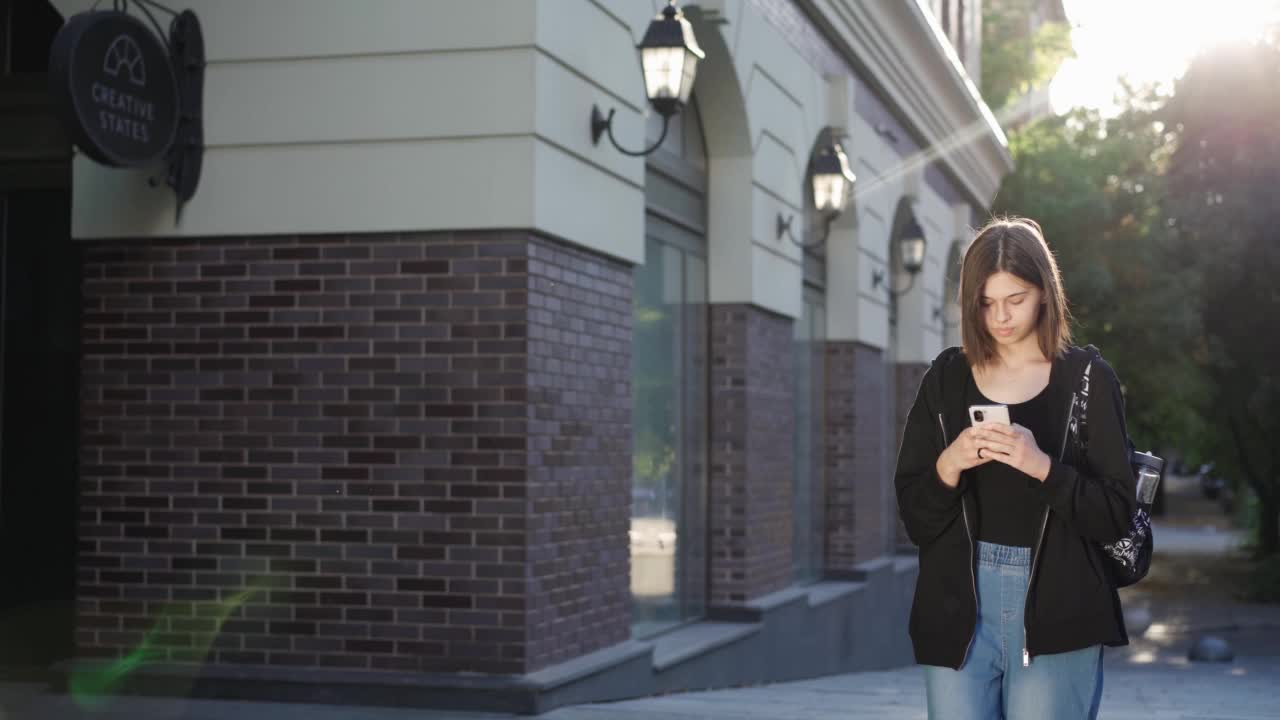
(1010, 308)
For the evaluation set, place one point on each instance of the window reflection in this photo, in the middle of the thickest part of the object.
(669, 427)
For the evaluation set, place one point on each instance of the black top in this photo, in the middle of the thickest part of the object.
(1009, 503)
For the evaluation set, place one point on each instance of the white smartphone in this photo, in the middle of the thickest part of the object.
(986, 414)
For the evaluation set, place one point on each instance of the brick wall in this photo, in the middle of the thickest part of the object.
(858, 488)
(840, 460)
(907, 377)
(906, 384)
(345, 425)
(752, 424)
(580, 337)
(817, 509)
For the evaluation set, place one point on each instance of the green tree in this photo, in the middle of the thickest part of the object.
(1096, 187)
(1016, 55)
(1222, 180)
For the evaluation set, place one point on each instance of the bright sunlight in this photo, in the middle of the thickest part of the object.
(1146, 41)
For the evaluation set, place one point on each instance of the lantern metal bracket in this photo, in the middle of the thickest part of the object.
(784, 228)
(878, 279)
(938, 315)
(886, 132)
(601, 124)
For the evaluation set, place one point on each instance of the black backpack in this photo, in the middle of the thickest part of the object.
(1130, 556)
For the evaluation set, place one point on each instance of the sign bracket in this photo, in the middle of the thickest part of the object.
(186, 156)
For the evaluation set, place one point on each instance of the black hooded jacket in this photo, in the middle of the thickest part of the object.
(1089, 500)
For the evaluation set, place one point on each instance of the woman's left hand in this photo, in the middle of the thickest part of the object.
(1014, 445)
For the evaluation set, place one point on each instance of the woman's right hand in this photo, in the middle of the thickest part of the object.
(962, 455)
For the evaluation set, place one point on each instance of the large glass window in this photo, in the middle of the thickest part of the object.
(669, 371)
(668, 559)
(808, 527)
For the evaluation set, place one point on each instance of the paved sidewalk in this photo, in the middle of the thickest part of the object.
(1148, 680)
(1153, 692)
(1244, 690)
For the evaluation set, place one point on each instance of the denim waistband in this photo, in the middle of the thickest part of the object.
(993, 554)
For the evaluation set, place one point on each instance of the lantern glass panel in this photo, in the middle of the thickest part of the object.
(690, 73)
(664, 71)
(913, 254)
(829, 192)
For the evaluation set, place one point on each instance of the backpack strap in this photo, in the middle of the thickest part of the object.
(1081, 366)
(1080, 412)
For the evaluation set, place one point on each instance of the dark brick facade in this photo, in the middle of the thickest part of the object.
(817, 463)
(906, 384)
(750, 498)
(859, 492)
(841, 460)
(907, 377)
(579, 461)
(414, 451)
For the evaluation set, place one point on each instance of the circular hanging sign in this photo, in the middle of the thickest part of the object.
(114, 89)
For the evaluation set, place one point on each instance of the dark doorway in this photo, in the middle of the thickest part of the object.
(39, 351)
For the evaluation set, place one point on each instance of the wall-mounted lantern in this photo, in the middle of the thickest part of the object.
(911, 244)
(669, 55)
(951, 284)
(832, 187)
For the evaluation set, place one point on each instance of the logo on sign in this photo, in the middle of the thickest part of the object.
(125, 53)
(120, 112)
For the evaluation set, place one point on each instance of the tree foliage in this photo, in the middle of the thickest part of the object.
(1015, 56)
(1221, 191)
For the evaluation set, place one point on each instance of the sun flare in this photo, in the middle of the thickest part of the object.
(1148, 42)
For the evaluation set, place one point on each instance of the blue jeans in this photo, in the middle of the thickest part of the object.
(992, 683)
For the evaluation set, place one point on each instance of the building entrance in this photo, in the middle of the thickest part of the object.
(39, 351)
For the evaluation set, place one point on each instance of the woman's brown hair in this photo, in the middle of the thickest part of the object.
(1014, 245)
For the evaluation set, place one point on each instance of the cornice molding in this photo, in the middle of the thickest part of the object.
(907, 59)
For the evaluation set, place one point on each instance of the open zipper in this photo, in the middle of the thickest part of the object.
(973, 578)
(1035, 551)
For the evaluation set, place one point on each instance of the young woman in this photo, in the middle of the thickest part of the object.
(1014, 601)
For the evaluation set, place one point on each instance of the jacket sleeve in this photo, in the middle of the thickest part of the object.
(1098, 498)
(927, 506)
